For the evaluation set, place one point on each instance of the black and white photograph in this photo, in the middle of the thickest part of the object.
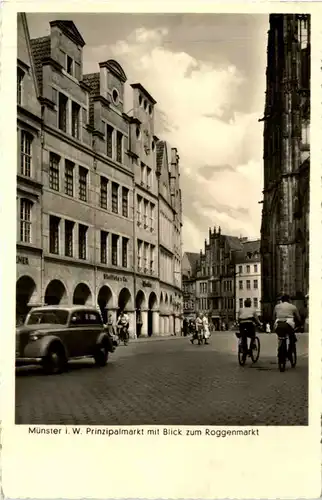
(162, 255)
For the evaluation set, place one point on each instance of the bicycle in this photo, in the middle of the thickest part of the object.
(243, 351)
(123, 334)
(286, 350)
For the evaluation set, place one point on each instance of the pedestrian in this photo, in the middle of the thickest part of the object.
(205, 326)
(268, 328)
(198, 326)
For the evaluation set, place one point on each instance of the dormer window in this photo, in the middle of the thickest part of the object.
(69, 66)
(145, 105)
(138, 132)
(140, 100)
(20, 77)
(150, 109)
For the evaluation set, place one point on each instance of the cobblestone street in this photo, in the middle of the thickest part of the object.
(169, 381)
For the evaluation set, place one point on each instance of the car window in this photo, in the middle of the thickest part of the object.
(93, 318)
(78, 318)
(52, 317)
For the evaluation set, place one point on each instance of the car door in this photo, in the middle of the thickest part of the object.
(95, 328)
(78, 333)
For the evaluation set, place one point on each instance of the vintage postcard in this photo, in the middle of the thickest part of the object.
(161, 253)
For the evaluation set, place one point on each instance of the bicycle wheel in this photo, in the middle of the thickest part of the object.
(292, 355)
(256, 350)
(242, 352)
(282, 355)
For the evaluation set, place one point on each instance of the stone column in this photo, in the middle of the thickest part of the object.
(160, 325)
(144, 329)
(132, 326)
(155, 323)
(166, 325)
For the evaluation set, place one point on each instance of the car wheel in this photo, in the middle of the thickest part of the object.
(101, 356)
(55, 360)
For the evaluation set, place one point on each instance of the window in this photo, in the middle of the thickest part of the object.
(248, 269)
(69, 65)
(240, 285)
(115, 198)
(54, 171)
(143, 171)
(83, 183)
(62, 112)
(146, 252)
(256, 302)
(256, 284)
(152, 250)
(240, 303)
(250, 301)
(146, 205)
(25, 153)
(69, 230)
(104, 236)
(25, 220)
(139, 208)
(82, 241)
(248, 284)
(124, 251)
(103, 193)
(240, 269)
(152, 208)
(115, 240)
(69, 178)
(148, 177)
(75, 119)
(255, 268)
(109, 141)
(54, 234)
(139, 253)
(77, 72)
(125, 202)
(119, 144)
(20, 77)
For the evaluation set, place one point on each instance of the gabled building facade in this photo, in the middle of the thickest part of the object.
(88, 188)
(248, 276)
(285, 214)
(29, 177)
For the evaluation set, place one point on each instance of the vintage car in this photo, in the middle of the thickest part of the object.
(52, 335)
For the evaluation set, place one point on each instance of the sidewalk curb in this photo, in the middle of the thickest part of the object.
(156, 338)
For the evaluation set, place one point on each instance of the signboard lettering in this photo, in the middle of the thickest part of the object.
(114, 277)
(22, 260)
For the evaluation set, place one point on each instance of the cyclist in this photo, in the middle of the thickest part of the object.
(247, 319)
(286, 317)
(123, 323)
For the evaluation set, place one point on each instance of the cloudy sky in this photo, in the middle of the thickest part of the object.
(207, 74)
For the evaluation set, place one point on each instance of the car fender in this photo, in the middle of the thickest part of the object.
(39, 348)
(102, 338)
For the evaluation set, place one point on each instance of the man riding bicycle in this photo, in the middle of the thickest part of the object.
(286, 317)
(247, 319)
(123, 322)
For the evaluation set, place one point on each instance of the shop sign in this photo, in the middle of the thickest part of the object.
(114, 277)
(22, 260)
(147, 283)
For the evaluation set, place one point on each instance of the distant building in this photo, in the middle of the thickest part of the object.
(285, 214)
(248, 275)
(189, 266)
(212, 279)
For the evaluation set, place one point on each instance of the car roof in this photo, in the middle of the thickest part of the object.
(72, 308)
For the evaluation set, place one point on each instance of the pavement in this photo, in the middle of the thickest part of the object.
(169, 381)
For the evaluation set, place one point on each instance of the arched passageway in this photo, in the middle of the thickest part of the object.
(152, 325)
(55, 293)
(25, 289)
(82, 295)
(105, 301)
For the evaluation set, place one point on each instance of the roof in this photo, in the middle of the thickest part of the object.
(40, 50)
(69, 29)
(234, 242)
(144, 91)
(193, 258)
(93, 81)
(250, 252)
